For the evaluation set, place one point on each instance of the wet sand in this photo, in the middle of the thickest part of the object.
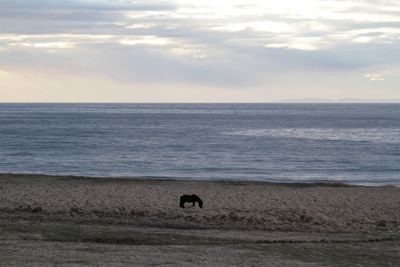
(242, 223)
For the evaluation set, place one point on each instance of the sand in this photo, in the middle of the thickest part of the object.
(227, 205)
(237, 217)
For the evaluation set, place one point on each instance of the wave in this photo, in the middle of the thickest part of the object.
(380, 135)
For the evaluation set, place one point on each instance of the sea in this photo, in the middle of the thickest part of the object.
(348, 143)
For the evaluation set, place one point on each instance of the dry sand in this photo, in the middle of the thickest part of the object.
(267, 222)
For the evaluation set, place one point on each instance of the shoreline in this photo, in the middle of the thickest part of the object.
(309, 183)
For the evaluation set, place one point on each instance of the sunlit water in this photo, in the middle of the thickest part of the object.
(354, 143)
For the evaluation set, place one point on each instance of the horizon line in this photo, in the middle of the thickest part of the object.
(200, 102)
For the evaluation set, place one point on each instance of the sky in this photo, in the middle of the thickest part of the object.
(198, 51)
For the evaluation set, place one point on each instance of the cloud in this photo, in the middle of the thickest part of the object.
(379, 74)
(226, 44)
(92, 5)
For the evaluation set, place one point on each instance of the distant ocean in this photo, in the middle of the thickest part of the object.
(352, 143)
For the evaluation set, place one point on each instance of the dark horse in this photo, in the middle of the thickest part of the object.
(190, 198)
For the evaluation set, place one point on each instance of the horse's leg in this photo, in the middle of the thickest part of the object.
(194, 202)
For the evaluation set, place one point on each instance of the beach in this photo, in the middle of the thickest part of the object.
(145, 213)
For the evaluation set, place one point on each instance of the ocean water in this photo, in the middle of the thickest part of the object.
(352, 143)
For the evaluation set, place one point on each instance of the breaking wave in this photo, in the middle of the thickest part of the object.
(388, 135)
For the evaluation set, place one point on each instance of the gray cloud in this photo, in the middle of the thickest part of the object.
(76, 5)
(56, 16)
(196, 51)
(237, 67)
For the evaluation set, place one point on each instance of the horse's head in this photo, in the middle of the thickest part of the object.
(200, 203)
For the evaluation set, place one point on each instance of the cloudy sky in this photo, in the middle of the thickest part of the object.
(198, 51)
